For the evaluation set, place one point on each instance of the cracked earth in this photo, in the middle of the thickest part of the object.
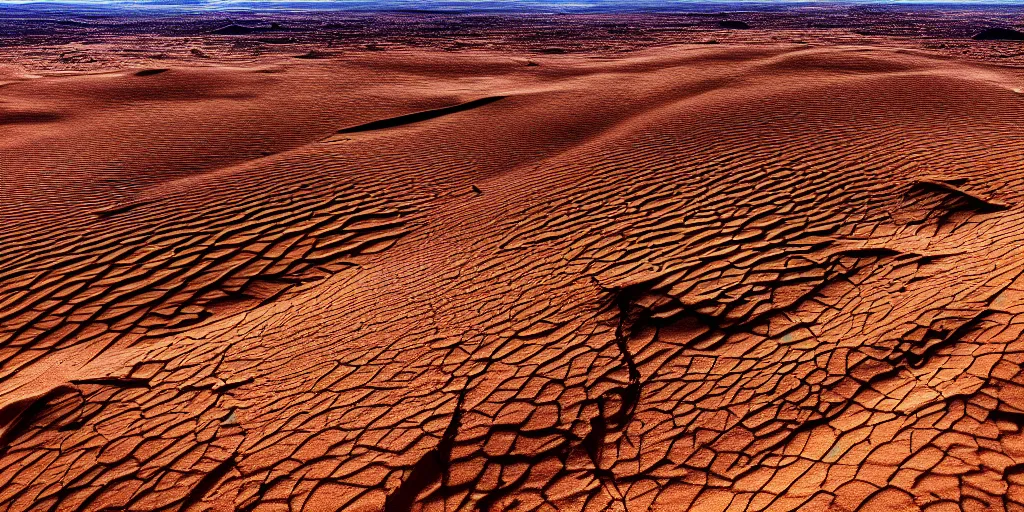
(761, 277)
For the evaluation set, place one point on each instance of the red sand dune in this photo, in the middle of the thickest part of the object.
(758, 277)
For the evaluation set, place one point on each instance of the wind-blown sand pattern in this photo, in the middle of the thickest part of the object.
(726, 277)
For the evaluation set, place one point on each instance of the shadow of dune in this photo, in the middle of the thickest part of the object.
(417, 117)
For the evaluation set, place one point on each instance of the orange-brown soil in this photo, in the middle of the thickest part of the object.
(721, 277)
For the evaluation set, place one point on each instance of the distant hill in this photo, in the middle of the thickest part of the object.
(999, 34)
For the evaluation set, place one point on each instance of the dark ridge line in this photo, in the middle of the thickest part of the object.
(208, 482)
(434, 465)
(1016, 418)
(12, 118)
(16, 416)
(629, 315)
(949, 187)
(999, 34)
(417, 117)
(151, 72)
(942, 339)
(118, 382)
(121, 208)
(233, 30)
(312, 54)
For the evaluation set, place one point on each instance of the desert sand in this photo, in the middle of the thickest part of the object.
(739, 276)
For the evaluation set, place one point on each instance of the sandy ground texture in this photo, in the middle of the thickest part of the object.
(757, 276)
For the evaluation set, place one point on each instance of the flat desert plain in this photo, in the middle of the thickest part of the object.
(756, 275)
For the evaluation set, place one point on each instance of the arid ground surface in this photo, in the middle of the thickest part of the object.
(581, 262)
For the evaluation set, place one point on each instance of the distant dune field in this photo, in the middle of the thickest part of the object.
(710, 277)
